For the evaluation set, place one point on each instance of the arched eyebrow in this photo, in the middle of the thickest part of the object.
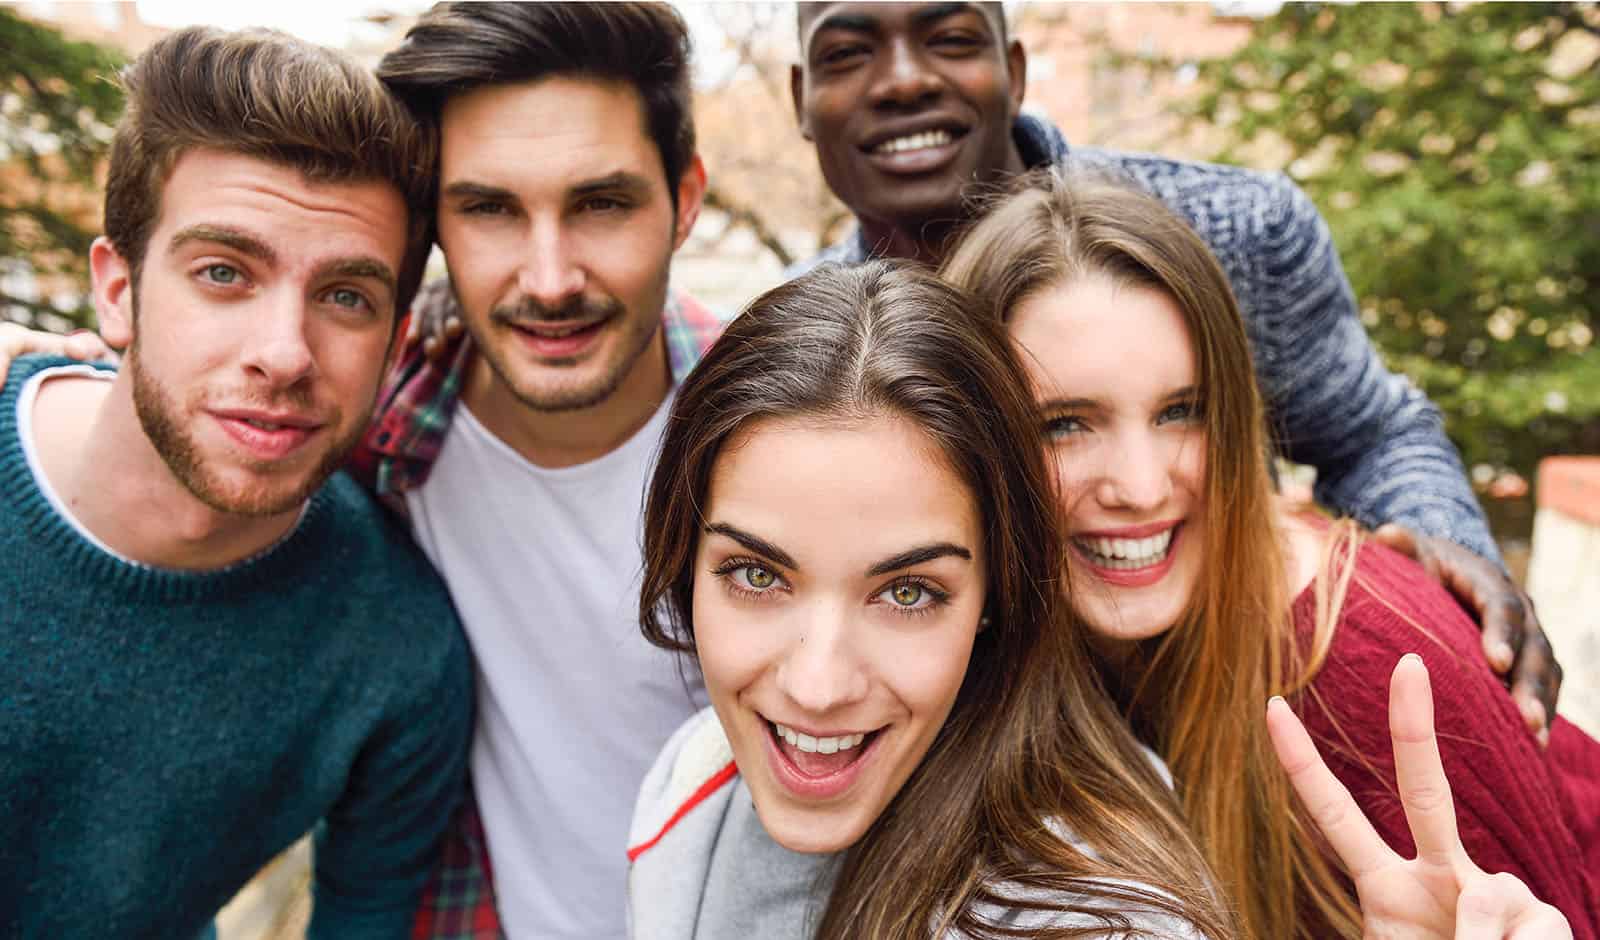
(755, 544)
(906, 559)
(917, 556)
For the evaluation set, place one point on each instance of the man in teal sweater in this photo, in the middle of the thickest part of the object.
(211, 646)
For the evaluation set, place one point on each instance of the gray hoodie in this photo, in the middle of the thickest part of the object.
(705, 869)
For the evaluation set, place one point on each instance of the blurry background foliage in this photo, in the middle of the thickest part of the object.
(57, 108)
(1455, 151)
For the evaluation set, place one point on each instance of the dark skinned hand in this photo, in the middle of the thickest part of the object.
(1514, 644)
(430, 326)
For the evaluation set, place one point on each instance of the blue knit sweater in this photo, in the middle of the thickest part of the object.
(1377, 442)
(165, 733)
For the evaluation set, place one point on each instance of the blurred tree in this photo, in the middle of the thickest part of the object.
(57, 108)
(1455, 150)
(763, 174)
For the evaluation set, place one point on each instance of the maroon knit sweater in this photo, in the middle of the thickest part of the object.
(1533, 813)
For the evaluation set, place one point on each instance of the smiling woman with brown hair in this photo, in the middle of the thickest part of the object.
(1205, 597)
(850, 529)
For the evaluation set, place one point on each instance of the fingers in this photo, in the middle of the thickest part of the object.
(1419, 771)
(1500, 907)
(17, 340)
(1331, 807)
(1536, 679)
(88, 346)
(1411, 544)
(1500, 606)
(1481, 911)
(434, 346)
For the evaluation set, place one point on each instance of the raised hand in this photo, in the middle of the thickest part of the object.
(1440, 893)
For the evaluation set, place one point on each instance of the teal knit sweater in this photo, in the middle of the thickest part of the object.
(165, 734)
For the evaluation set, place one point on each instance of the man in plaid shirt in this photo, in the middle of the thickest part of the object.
(520, 451)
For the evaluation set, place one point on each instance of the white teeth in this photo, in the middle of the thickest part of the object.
(1127, 554)
(812, 745)
(914, 142)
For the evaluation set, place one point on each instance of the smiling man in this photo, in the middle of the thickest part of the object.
(211, 647)
(568, 177)
(916, 107)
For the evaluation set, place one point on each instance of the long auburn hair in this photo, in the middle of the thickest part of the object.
(1197, 692)
(1032, 741)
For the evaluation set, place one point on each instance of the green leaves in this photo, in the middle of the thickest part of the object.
(1455, 150)
(57, 108)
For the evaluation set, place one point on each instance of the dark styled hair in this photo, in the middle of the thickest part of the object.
(1032, 740)
(266, 95)
(458, 47)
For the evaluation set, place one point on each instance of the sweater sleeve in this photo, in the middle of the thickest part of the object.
(374, 851)
(1377, 442)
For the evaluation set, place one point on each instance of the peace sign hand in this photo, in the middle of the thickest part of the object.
(1440, 893)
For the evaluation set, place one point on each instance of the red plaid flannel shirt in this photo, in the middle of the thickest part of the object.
(415, 406)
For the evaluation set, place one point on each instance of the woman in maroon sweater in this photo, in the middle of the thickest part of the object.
(1206, 596)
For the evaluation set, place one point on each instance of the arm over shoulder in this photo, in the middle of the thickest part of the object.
(1377, 442)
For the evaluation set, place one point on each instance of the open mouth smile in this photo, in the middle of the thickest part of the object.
(1129, 562)
(818, 766)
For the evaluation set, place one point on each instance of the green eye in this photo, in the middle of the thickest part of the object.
(759, 578)
(906, 595)
(222, 274)
(347, 298)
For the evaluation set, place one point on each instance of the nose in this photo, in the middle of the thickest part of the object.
(1137, 474)
(906, 79)
(822, 670)
(551, 272)
(278, 350)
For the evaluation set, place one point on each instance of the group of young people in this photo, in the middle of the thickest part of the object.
(966, 539)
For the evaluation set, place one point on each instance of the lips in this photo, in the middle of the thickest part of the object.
(557, 339)
(1136, 556)
(267, 435)
(805, 767)
(910, 150)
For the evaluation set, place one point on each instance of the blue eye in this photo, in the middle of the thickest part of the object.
(1181, 412)
(345, 297)
(221, 273)
(1063, 426)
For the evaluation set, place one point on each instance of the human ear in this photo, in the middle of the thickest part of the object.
(797, 93)
(111, 280)
(1017, 68)
(691, 195)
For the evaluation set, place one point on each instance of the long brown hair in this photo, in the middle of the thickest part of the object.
(1196, 692)
(1032, 740)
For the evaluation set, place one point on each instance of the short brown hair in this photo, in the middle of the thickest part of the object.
(266, 95)
(459, 47)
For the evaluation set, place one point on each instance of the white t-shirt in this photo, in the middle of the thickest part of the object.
(573, 703)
